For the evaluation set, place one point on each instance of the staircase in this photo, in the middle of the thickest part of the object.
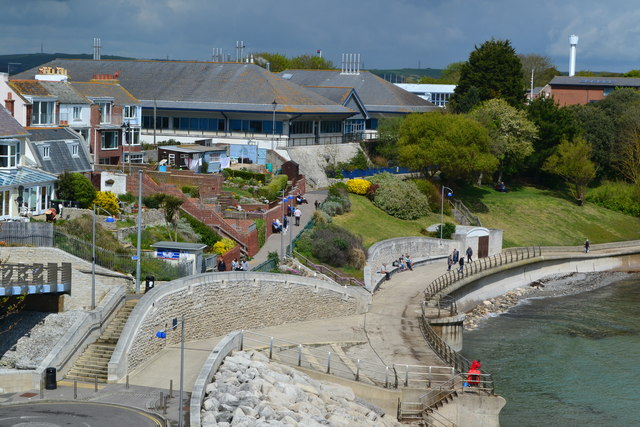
(93, 363)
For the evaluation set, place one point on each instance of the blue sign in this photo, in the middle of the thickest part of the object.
(135, 257)
(161, 334)
(165, 254)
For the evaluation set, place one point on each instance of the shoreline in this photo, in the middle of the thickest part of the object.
(557, 285)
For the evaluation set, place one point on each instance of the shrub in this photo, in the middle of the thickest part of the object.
(617, 196)
(432, 192)
(337, 201)
(399, 198)
(262, 232)
(191, 190)
(223, 246)
(107, 201)
(321, 217)
(358, 186)
(337, 246)
(447, 230)
(153, 202)
(127, 198)
(273, 190)
(332, 208)
(76, 187)
(245, 175)
(204, 232)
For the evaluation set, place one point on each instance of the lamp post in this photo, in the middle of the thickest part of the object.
(93, 254)
(449, 194)
(163, 335)
(273, 128)
(284, 200)
(139, 245)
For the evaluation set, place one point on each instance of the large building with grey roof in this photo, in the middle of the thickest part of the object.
(583, 90)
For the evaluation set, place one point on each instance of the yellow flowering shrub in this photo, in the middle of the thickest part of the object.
(223, 246)
(358, 186)
(108, 201)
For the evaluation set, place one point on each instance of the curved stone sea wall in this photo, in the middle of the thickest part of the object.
(215, 304)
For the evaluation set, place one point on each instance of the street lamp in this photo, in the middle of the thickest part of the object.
(125, 133)
(139, 245)
(273, 128)
(110, 218)
(284, 200)
(163, 335)
(449, 194)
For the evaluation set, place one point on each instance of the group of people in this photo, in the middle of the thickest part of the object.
(278, 226)
(235, 265)
(300, 199)
(456, 259)
(403, 262)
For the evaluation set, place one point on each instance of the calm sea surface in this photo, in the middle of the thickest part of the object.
(566, 361)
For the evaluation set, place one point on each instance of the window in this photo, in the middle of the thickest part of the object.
(105, 112)
(334, 126)
(77, 113)
(133, 157)
(608, 90)
(109, 140)
(75, 150)
(302, 127)
(9, 155)
(5, 202)
(129, 112)
(43, 113)
(46, 152)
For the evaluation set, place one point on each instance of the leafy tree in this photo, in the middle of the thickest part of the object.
(277, 62)
(384, 150)
(495, 71)
(600, 131)
(572, 162)
(170, 206)
(308, 62)
(629, 160)
(544, 70)
(76, 187)
(632, 73)
(511, 133)
(107, 201)
(554, 124)
(450, 75)
(455, 145)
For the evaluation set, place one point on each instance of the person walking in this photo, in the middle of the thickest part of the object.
(455, 256)
(586, 246)
(469, 254)
(245, 265)
(297, 214)
(221, 265)
(449, 263)
(461, 264)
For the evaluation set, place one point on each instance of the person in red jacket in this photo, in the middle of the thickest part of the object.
(473, 377)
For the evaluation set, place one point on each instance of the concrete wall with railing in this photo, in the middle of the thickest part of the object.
(215, 304)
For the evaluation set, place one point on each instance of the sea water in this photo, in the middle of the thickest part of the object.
(566, 361)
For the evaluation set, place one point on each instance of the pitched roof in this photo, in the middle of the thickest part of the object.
(59, 141)
(30, 88)
(202, 85)
(105, 90)
(24, 176)
(64, 92)
(595, 81)
(9, 126)
(377, 94)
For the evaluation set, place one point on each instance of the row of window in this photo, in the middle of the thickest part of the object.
(43, 112)
(34, 200)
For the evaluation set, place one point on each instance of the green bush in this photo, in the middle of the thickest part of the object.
(191, 190)
(399, 198)
(332, 208)
(337, 246)
(206, 234)
(75, 187)
(159, 269)
(337, 201)
(127, 198)
(262, 232)
(359, 161)
(245, 175)
(447, 230)
(153, 201)
(432, 192)
(273, 190)
(617, 196)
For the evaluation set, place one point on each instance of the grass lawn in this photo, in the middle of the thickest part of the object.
(238, 191)
(528, 216)
(532, 216)
(375, 225)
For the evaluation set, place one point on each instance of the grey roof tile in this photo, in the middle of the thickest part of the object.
(595, 81)
(9, 126)
(61, 159)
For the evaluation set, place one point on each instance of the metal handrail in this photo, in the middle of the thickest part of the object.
(332, 274)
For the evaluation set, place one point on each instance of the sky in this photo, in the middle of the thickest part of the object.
(387, 34)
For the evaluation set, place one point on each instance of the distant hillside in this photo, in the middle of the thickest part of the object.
(407, 75)
(24, 61)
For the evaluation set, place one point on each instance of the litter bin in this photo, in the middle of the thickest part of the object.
(150, 282)
(50, 379)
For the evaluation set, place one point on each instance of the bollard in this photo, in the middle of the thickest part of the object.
(171, 388)
(95, 384)
(329, 363)
(386, 377)
(270, 348)
(41, 388)
(406, 376)
(126, 384)
(161, 403)
(358, 370)
(75, 389)
(299, 354)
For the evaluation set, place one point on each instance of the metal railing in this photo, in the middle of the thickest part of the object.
(336, 362)
(332, 274)
(441, 348)
(466, 213)
(480, 265)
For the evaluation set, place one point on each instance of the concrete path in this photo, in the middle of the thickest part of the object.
(274, 242)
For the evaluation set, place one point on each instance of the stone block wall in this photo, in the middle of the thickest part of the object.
(215, 304)
(80, 297)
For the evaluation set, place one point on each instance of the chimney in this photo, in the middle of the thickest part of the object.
(8, 103)
(573, 41)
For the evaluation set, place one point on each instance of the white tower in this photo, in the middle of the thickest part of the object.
(573, 41)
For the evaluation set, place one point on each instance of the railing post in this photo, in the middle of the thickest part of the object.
(386, 377)
(270, 348)
(358, 370)
(329, 363)
(429, 377)
(242, 340)
(406, 376)
(299, 354)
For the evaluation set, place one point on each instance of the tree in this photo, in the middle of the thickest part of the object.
(170, 205)
(384, 150)
(600, 131)
(277, 62)
(544, 70)
(76, 187)
(572, 162)
(629, 160)
(554, 124)
(454, 145)
(308, 62)
(511, 133)
(495, 71)
(450, 75)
